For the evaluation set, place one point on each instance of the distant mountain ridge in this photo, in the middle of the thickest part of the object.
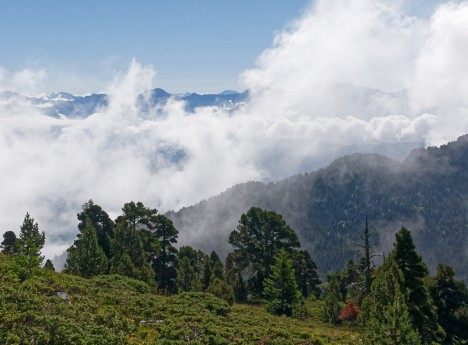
(63, 104)
(427, 192)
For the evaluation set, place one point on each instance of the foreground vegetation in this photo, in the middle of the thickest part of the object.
(57, 308)
(125, 282)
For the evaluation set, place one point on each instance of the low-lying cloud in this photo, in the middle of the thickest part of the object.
(347, 75)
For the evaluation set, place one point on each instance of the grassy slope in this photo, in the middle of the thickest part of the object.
(108, 310)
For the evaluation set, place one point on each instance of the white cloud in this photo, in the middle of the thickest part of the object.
(331, 82)
(26, 82)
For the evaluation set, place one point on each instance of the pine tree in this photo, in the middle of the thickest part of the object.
(10, 243)
(332, 303)
(260, 235)
(128, 255)
(305, 269)
(421, 308)
(165, 261)
(385, 310)
(85, 257)
(30, 243)
(450, 296)
(102, 223)
(49, 266)
(234, 278)
(207, 273)
(281, 288)
(186, 278)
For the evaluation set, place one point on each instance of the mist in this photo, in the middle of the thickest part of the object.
(347, 76)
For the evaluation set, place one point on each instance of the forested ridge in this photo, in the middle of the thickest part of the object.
(129, 280)
(427, 192)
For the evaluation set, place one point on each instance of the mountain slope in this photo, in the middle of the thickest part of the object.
(428, 193)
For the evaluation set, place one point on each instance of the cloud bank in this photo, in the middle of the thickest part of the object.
(346, 76)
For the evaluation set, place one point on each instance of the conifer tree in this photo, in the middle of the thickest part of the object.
(164, 263)
(49, 266)
(101, 222)
(10, 243)
(187, 280)
(260, 235)
(129, 257)
(218, 271)
(385, 310)
(85, 257)
(30, 244)
(450, 296)
(234, 278)
(305, 269)
(207, 273)
(421, 308)
(332, 303)
(281, 288)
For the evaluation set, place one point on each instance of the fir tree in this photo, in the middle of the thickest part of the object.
(385, 310)
(281, 288)
(421, 308)
(85, 257)
(30, 244)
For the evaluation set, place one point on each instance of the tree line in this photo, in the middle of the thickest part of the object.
(396, 303)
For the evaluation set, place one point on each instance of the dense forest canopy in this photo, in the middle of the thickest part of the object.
(427, 192)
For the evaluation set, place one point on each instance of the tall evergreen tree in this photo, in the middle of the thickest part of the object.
(187, 280)
(101, 222)
(366, 263)
(305, 269)
(332, 302)
(137, 216)
(234, 278)
(86, 258)
(450, 296)
(10, 243)
(207, 273)
(421, 308)
(385, 310)
(165, 262)
(128, 255)
(30, 244)
(260, 235)
(281, 288)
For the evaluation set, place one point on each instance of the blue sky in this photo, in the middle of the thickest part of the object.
(194, 45)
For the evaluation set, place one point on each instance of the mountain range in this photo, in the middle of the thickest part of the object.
(65, 104)
(427, 193)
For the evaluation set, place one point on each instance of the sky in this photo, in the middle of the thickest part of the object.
(326, 78)
(195, 46)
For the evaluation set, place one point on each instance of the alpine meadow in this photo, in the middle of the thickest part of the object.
(266, 173)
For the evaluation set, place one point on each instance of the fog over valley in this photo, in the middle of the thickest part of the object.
(344, 77)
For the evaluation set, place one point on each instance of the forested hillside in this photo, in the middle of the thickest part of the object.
(427, 192)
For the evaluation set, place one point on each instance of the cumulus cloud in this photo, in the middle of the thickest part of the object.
(347, 75)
